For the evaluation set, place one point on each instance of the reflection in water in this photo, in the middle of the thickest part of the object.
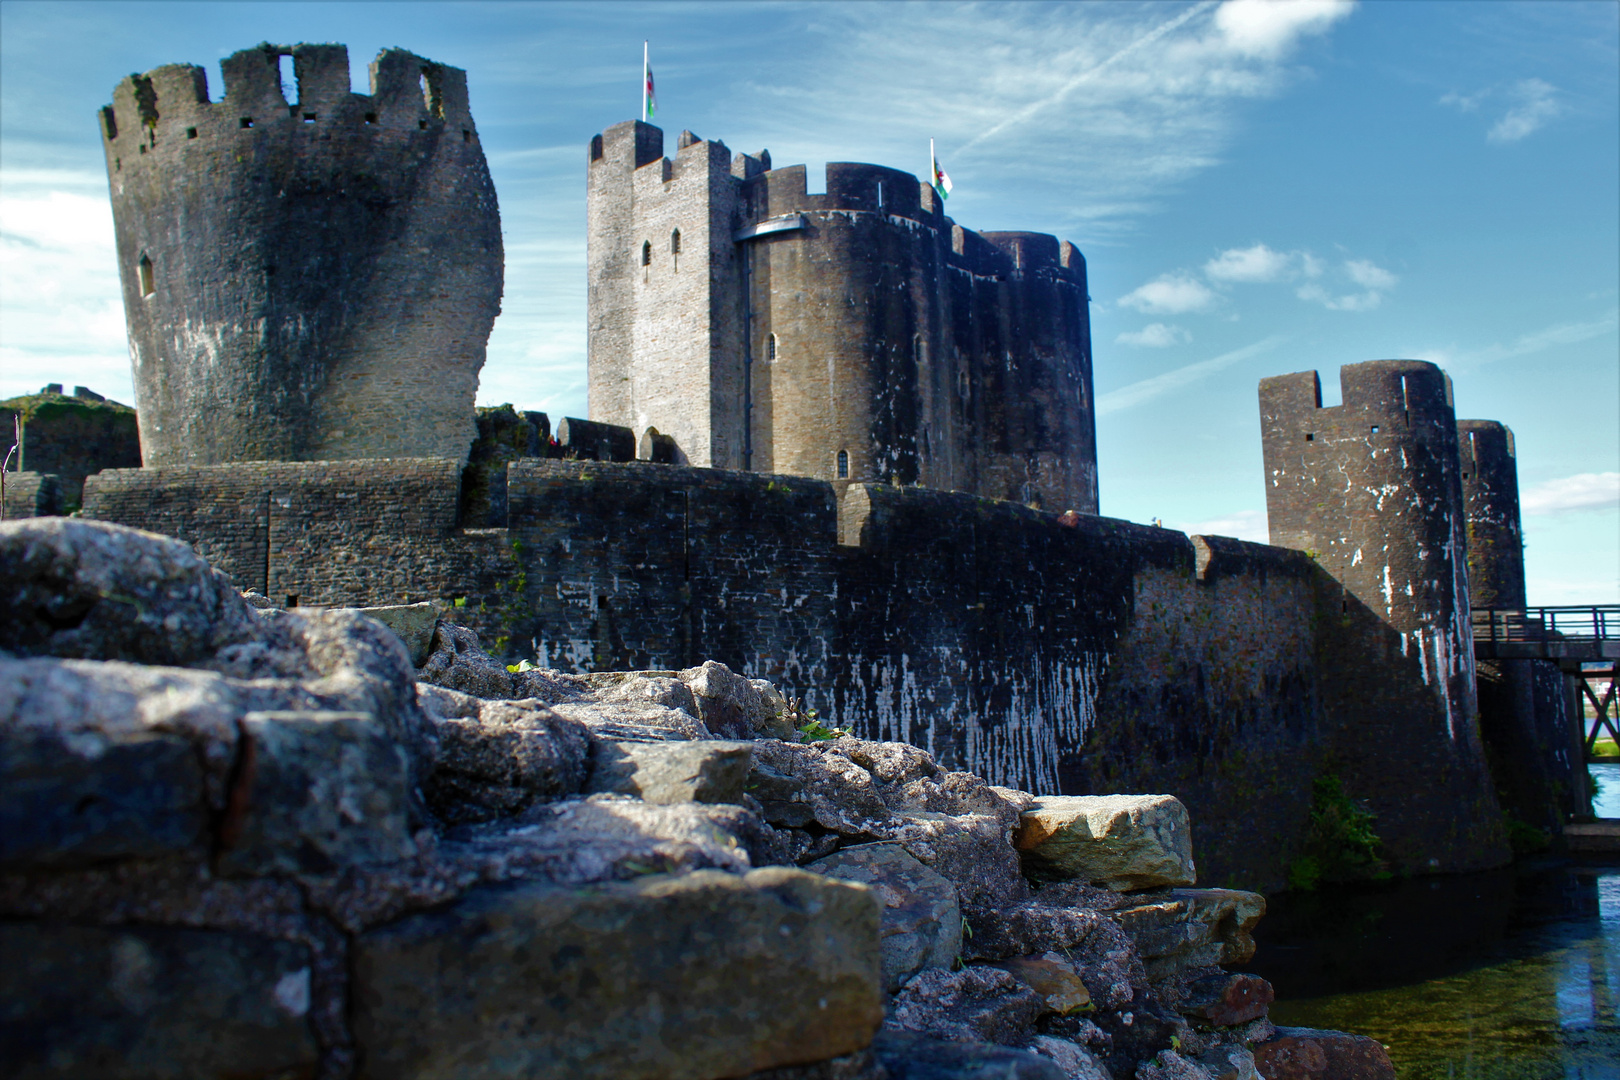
(1606, 803)
(1506, 975)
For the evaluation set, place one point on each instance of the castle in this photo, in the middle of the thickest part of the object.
(849, 413)
(858, 335)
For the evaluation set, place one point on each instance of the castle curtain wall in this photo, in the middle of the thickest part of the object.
(1078, 657)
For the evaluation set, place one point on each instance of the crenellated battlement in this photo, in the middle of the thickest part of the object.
(170, 105)
(335, 258)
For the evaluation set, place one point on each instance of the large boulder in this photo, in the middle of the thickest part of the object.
(1192, 928)
(922, 919)
(1121, 842)
(90, 590)
(1313, 1054)
(167, 1003)
(705, 975)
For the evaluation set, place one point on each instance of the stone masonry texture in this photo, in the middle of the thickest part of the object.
(308, 273)
(857, 335)
(1063, 654)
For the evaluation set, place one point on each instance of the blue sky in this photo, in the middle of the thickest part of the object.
(1258, 188)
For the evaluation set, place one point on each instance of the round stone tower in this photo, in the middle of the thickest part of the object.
(308, 273)
(1490, 486)
(1371, 489)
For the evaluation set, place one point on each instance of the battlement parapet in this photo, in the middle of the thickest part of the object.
(408, 94)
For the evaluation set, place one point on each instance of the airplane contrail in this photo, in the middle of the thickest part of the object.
(1067, 88)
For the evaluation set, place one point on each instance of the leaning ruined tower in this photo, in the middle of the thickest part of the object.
(1371, 488)
(856, 334)
(308, 273)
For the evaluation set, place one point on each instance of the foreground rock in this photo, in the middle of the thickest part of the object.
(1121, 842)
(625, 981)
(283, 843)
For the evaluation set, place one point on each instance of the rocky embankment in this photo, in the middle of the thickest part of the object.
(237, 841)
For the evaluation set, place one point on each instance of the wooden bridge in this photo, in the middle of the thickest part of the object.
(1584, 641)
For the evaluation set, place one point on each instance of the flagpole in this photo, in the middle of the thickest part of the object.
(642, 111)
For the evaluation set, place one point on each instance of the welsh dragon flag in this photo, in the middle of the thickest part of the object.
(649, 103)
(941, 181)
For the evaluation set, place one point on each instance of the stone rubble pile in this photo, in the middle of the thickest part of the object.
(250, 842)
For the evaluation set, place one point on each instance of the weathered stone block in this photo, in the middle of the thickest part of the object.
(922, 918)
(702, 770)
(918, 1057)
(699, 976)
(414, 623)
(1312, 1054)
(1227, 999)
(316, 791)
(151, 1003)
(1051, 976)
(79, 797)
(1187, 928)
(1123, 842)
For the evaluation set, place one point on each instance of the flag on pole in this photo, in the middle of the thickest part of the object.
(649, 102)
(941, 182)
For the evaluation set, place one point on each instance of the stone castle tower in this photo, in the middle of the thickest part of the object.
(1490, 486)
(1371, 488)
(308, 275)
(854, 335)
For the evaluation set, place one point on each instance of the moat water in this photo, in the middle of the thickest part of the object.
(1511, 974)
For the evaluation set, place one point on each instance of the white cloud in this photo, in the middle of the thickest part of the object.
(1252, 264)
(1154, 336)
(1270, 28)
(1535, 104)
(1242, 525)
(1171, 294)
(64, 312)
(1374, 281)
(1369, 276)
(1583, 491)
(1531, 104)
(1136, 393)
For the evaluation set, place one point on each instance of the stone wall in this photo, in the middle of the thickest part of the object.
(312, 278)
(1073, 653)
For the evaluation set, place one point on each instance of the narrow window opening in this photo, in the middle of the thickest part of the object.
(1344, 607)
(880, 194)
(109, 122)
(309, 118)
(466, 136)
(191, 133)
(143, 271)
(143, 148)
(646, 253)
(421, 125)
(675, 242)
(427, 91)
(247, 121)
(289, 81)
(292, 599)
(596, 148)
(371, 118)
(1375, 429)
(770, 349)
(1465, 476)
(1406, 396)
(843, 464)
(118, 164)
(916, 348)
(1310, 437)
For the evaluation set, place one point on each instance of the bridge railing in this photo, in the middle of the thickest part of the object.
(1579, 622)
